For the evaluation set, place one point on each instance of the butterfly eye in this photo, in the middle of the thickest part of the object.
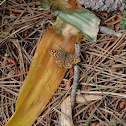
(72, 60)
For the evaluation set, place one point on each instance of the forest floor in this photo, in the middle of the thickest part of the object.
(22, 25)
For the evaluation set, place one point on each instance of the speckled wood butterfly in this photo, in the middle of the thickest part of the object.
(64, 59)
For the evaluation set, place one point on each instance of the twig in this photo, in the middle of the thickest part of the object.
(2, 2)
(109, 31)
(76, 75)
(4, 78)
(106, 93)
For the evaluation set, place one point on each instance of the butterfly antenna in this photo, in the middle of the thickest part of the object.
(59, 48)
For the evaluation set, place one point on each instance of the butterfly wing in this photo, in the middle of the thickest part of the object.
(59, 63)
(71, 59)
(59, 57)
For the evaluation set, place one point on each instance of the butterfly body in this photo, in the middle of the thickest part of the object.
(64, 59)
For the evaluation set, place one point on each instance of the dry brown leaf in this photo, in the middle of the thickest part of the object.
(74, 3)
(71, 72)
(93, 124)
(68, 84)
(122, 104)
(104, 14)
(89, 87)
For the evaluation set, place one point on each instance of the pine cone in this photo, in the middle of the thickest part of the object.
(103, 5)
